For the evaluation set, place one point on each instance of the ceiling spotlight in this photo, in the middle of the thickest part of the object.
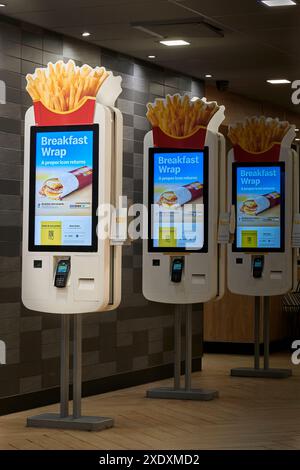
(297, 139)
(2, 5)
(86, 34)
(296, 130)
(175, 42)
(208, 75)
(278, 81)
(151, 56)
(278, 3)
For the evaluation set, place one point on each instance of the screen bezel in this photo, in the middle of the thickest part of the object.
(235, 166)
(152, 151)
(32, 189)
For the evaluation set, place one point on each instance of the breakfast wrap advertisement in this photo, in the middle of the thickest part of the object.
(259, 201)
(178, 199)
(179, 122)
(63, 186)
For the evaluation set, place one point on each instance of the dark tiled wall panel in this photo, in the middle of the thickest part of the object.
(139, 334)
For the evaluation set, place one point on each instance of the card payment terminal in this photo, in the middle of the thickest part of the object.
(62, 273)
(257, 266)
(177, 269)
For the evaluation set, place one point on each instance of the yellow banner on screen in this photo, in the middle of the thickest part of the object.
(249, 239)
(167, 237)
(51, 233)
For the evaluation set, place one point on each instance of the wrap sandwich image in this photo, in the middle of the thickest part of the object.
(259, 204)
(180, 195)
(59, 187)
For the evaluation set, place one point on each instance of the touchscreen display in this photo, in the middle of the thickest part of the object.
(259, 201)
(63, 175)
(178, 197)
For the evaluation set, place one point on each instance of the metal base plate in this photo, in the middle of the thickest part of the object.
(182, 394)
(261, 373)
(85, 423)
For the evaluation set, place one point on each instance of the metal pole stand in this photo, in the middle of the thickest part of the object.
(187, 393)
(257, 371)
(64, 420)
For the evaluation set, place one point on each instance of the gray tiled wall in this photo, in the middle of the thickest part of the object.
(139, 334)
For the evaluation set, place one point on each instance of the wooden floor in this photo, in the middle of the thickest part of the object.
(250, 414)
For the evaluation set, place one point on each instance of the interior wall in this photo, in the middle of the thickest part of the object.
(137, 336)
(239, 107)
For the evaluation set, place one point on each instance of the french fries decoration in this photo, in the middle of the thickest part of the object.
(179, 116)
(257, 134)
(63, 87)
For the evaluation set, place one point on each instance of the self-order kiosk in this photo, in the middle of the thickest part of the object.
(72, 166)
(184, 192)
(72, 191)
(263, 191)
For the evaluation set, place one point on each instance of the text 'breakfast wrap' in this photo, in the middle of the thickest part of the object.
(181, 195)
(256, 205)
(60, 187)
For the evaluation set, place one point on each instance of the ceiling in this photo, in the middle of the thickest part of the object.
(241, 41)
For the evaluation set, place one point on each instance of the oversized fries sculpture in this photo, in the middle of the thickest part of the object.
(258, 134)
(64, 87)
(179, 116)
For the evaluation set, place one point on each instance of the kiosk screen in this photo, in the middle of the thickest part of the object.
(63, 188)
(258, 195)
(178, 199)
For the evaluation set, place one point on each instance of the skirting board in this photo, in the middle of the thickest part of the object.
(50, 396)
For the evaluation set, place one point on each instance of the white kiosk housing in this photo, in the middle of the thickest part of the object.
(268, 238)
(203, 273)
(94, 279)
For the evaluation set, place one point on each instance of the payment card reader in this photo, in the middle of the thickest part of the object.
(257, 266)
(177, 269)
(62, 273)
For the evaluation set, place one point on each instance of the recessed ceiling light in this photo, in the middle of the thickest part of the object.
(297, 139)
(208, 75)
(278, 3)
(86, 34)
(175, 42)
(151, 56)
(278, 81)
(2, 5)
(296, 130)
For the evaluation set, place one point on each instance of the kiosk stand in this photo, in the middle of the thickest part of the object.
(184, 192)
(64, 420)
(71, 258)
(177, 392)
(265, 371)
(262, 262)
